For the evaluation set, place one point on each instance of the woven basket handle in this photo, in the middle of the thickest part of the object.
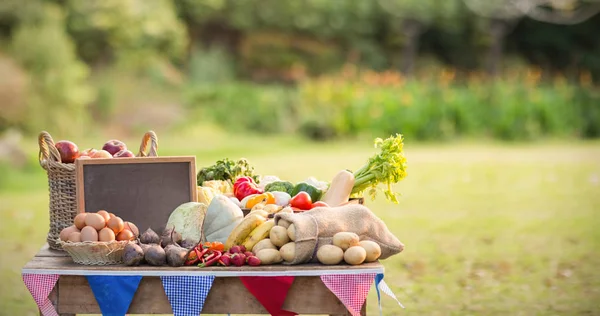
(149, 137)
(48, 151)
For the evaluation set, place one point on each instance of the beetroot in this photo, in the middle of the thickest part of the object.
(155, 255)
(170, 236)
(253, 261)
(149, 237)
(133, 255)
(238, 259)
(176, 255)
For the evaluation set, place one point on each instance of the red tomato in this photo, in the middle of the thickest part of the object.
(301, 201)
(320, 204)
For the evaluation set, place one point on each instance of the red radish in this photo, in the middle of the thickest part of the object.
(225, 260)
(243, 249)
(238, 259)
(253, 261)
(236, 249)
(248, 254)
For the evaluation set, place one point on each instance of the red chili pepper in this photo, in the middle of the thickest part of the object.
(193, 257)
(212, 259)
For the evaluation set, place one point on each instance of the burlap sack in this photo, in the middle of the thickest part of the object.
(316, 228)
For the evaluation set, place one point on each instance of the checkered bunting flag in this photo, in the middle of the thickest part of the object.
(187, 293)
(40, 286)
(351, 289)
(380, 285)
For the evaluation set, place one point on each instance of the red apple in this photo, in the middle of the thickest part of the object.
(123, 154)
(114, 146)
(101, 154)
(87, 153)
(68, 151)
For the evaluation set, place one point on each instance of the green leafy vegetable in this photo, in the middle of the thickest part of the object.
(388, 167)
(225, 170)
(281, 186)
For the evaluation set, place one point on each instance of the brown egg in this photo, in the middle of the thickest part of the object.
(126, 234)
(116, 224)
(111, 215)
(74, 237)
(64, 234)
(132, 228)
(95, 220)
(89, 233)
(106, 234)
(80, 220)
(104, 214)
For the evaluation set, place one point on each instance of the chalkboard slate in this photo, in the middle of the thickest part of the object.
(143, 191)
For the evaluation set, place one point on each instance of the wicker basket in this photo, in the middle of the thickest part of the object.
(95, 253)
(61, 183)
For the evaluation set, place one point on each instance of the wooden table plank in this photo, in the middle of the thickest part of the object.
(46, 251)
(66, 266)
(308, 295)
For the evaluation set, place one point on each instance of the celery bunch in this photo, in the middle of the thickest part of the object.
(388, 167)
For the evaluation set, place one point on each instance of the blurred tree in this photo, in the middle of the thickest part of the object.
(57, 93)
(502, 16)
(412, 17)
(134, 33)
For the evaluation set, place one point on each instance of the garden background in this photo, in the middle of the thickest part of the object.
(499, 103)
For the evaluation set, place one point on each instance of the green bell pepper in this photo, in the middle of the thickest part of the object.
(315, 194)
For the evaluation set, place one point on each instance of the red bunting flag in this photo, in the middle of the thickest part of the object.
(270, 292)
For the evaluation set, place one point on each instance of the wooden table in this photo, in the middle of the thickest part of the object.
(308, 295)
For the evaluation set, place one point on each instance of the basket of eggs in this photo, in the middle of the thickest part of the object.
(97, 238)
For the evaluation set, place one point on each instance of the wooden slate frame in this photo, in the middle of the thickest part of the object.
(80, 165)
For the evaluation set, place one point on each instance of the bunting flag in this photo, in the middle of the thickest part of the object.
(381, 285)
(187, 294)
(40, 286)
(270, 292)
(114, 293)
(350, 289)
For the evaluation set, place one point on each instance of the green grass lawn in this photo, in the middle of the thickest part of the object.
(489, 229)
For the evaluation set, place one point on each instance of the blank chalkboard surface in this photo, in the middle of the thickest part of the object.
(143, 191)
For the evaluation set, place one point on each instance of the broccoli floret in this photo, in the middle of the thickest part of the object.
(280, 186)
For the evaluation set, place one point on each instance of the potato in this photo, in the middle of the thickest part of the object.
(330, 254)
(279, 236)
(355, 255)
(372, 248)
(283, 223)
(263, 244)
(345, 240)
(269, 256)
(291, 231)
(288, 251)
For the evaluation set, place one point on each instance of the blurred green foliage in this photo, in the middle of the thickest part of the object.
(274, 66)
(434, 106)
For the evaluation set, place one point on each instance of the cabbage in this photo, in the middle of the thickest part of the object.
(187, 220)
